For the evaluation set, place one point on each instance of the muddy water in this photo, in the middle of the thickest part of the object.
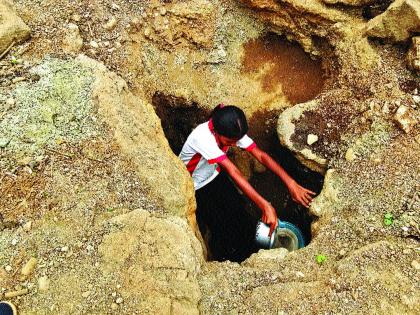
(277, 62)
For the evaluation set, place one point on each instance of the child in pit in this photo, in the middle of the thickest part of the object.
(220, 208)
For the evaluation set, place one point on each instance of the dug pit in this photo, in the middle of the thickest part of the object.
(276, 63)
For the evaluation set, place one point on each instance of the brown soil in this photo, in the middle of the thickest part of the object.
(278, 62)
(328, 122)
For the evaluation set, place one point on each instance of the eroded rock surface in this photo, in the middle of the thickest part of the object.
(398, 22)
(92, 191)
(13, 29)
(413, 56)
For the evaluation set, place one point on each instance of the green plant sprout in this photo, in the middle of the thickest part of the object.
(320, 259)
(388, 219)
(14, 60)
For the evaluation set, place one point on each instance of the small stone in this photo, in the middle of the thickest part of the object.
(4, 142)
(8, 268)
(405, 228)
(24, 161)
(10, 102)
(311, 139)
(43, 283)
(86, 294)
(350, 155)
(114, 294)
(115, 7)
(90, 248)
(110, 25)
(416, 98)
(147, 32)
(415, 264)
(18, 79)
(76, 17)
(93, 44)
(377, 160)
(72, 41)
(385, 108)
(14, 242)
(119, 300)
(27, 226)
(135, 21)
(114, 306)
(342, 252)
(300, 274)
(64, 249)
(162, 11)
(405, 118)
(12, 294)
(29, 267)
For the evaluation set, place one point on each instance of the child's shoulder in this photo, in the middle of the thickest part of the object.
(201, 134)
(202, 130)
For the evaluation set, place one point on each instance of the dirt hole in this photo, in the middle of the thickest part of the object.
(179, 118)
(229, 234)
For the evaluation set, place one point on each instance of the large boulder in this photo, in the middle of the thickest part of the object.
(132, 263)
(286, 128)
(138, 131)
(157, 259)
(397, 23)
(413, 56)
(12, 28)
(73, 101)
(298, 20)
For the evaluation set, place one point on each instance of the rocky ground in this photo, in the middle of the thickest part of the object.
(97, 213)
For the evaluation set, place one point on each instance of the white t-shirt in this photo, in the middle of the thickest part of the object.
(201, 153)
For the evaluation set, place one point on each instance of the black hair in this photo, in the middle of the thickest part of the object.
(229, 121)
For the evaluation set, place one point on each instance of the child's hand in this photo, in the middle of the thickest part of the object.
(300, 194)
(269, 217)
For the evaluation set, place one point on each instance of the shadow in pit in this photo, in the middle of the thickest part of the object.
(178, 117)
(263, 129)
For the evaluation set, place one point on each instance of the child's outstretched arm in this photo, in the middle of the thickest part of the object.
(269, 215)
(299, 194)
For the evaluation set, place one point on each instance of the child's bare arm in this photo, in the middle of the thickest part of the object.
(299, 194)
(269, 215)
